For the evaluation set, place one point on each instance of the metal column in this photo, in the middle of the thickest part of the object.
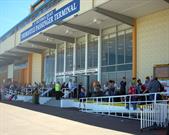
(74, 57)
(55, 64)
(64, 67)
(86, 53)
(99, 57)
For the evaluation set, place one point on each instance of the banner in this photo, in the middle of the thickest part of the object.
(53, 17)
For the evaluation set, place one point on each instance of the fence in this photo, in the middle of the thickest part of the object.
(127, 106)
(44, 92)
(27, 91)
(154, 115)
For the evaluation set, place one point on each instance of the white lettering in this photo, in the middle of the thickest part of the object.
(48, 19)
(65, 11)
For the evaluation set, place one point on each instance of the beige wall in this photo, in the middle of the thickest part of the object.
(36, 67)
(152, 42)
(7, 44)
(99, 2)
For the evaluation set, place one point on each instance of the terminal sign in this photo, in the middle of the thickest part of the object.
(53, 17)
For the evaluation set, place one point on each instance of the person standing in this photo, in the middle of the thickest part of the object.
(123, 86)
(147, 81)
(132, 98)
(82, 95)
(111, 87)
(153, 87)
(138, 86)
(58, 91)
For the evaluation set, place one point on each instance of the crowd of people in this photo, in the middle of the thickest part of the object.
(14, 88)
(73, 90)
(151, 85)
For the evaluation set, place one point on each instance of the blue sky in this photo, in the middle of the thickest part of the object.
(12, 12)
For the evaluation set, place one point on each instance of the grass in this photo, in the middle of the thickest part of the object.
(106, 103)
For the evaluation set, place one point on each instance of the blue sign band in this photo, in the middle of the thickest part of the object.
(53, 17)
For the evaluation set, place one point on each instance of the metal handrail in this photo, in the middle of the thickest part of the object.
(126, 100)
(116, 96)
(45, 92)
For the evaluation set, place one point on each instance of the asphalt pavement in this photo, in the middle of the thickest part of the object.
(20, 118)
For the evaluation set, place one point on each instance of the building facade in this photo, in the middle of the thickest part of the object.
(87, 41)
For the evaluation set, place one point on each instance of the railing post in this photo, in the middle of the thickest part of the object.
(80, 104)
(125, 101)
(141, 120)
(97, 103)
(146, 99)
(102, 104)
(109, 107)
(129, 104)
(85, 104)
(155, 98)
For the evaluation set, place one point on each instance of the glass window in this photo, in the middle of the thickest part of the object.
(80, 55)
(69, 57)
(60, 79)
(112, 50)
(60, 58)
(105, 50)
(109, 50)
(120, 48)
(128, 47)
(124, 67)
(116, 53)
(49, 65)
(108, 68)
(93, 53)
(104, 78)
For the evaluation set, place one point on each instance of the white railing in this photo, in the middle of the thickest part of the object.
(28, 91)
(156, 115)
(45, 91)
(120, 106)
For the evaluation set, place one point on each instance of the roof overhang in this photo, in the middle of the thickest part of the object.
(35, 50)
(110, 13)
(43, 44)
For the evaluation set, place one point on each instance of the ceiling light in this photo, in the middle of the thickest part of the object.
(67, 31)
(97, 21)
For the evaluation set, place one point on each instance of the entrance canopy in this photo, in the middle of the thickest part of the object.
(110, 13)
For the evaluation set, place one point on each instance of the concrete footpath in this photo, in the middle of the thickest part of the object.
(19, 118)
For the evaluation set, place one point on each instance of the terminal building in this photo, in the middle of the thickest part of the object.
(87, 40)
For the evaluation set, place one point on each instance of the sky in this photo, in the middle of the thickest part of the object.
(12, 12)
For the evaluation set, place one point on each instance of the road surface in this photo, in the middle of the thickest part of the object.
(28, 119)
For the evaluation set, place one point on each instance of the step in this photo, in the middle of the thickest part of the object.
(53, 102)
